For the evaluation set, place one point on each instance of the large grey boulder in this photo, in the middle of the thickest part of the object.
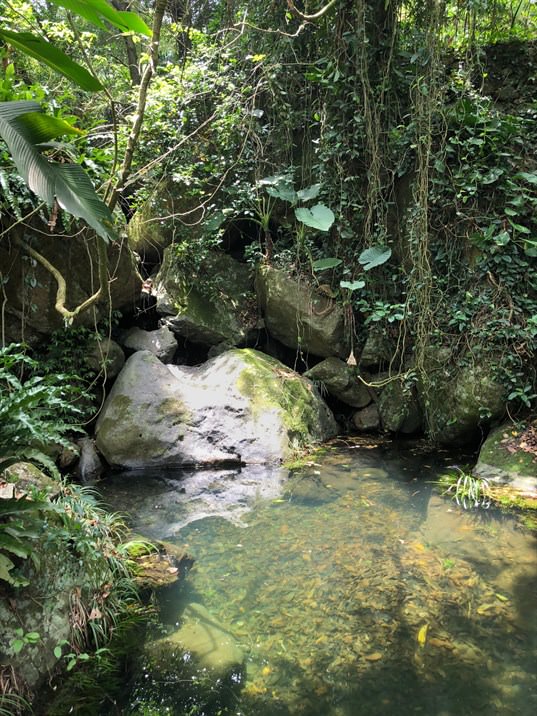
(367, 420)
(299, 316)
(240, 407)
(218, 307)
(377, 350)
(107, 356)
(161, 342)
(341, 381)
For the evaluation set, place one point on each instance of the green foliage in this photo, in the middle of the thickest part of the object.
(21, 640)
(467, 491)
(26, 132)
(33, 411)
(20, 520)
(46, 52)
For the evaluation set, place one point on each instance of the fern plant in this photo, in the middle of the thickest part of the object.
(33, 411)
(33, 414)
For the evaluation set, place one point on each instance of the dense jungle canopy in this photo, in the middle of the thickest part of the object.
(386, 150)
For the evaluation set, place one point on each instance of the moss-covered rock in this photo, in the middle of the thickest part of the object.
(299, 316)
(107, 356)
(367, 420)
(460, 403)
(240, 407)
(161, 342)
(218, 307)
(503, 462)
(341, 381)
(399, 409)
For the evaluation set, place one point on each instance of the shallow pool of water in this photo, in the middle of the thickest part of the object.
(352, 587)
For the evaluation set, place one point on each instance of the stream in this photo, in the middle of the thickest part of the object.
(351, 586)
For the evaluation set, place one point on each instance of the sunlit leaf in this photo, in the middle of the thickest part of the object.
(352, 285)
(95, 11)
(529, 177)
(53, 57)
(375, 256)
(67, 183)
(318, 217)
(309, 193)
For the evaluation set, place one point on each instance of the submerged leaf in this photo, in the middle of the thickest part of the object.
(422, 635)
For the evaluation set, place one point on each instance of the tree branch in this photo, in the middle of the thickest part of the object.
(147, 74)
(314, 16)
(61, 292)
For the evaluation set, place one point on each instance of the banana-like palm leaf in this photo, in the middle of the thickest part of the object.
(49, 54)
(98, 10)
(24, 127)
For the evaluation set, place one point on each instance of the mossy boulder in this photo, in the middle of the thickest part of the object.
(300, 316)
(341, 381)
(505, 460)
(367, 420)
(160, 221)
(240, 407)
(399, 409)
(219, 309)
(460, 403)
(377, 351)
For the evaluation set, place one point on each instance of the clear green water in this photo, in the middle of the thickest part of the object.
(357, 591)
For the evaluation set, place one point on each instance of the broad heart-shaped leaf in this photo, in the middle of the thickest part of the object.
(375, 256)
(284, 192)
(309, 193)
(67, 183)
(53, 57)
(527, 176)
(352, 285)
(323, 264)
(318, 217)
(95, 10)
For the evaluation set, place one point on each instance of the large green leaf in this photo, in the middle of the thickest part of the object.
(96, 10)
(67, 183)
(375, 256)
(318, 217)
(309, 193)
(328, 263)
(352, 285)
(50, 55)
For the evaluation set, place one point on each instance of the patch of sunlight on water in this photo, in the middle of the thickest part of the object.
(361, 591)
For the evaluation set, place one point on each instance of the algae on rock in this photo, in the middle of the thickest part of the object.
(503, 462)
